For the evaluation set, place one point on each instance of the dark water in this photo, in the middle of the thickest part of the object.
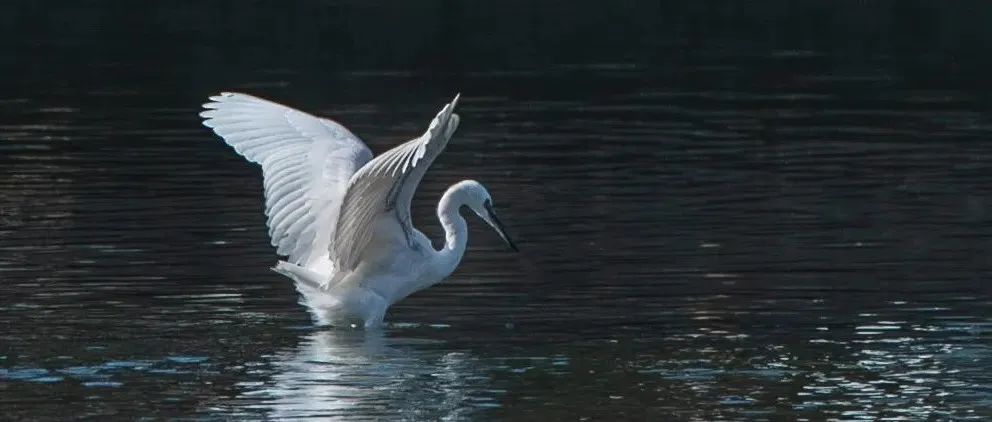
(736, 219)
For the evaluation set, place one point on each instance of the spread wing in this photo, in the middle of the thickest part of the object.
(386, 185)
(306, 164)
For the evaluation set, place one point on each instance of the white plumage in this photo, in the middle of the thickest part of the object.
(306, 163)
(386, 184)
(341, 218)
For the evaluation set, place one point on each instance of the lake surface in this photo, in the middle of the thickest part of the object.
(760, 233)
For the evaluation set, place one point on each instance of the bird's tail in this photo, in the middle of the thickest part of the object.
(302, 276)
(312, 287)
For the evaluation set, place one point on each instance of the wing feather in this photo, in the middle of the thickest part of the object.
(306, 164)
(386, 184)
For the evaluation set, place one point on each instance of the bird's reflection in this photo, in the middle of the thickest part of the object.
(371, 374)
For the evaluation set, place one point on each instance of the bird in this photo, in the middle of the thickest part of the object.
(340, 217)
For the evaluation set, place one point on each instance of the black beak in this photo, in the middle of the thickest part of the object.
(498, 225)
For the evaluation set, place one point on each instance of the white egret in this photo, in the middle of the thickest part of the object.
(342, 218)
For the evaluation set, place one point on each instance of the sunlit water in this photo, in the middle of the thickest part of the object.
(751, 237)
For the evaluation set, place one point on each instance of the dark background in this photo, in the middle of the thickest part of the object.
(193, 44)
(727, 210)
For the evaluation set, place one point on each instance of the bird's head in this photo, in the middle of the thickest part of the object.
(477, 198)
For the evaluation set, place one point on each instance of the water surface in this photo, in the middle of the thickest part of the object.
(753, 233)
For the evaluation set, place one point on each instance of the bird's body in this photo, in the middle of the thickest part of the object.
(389, 272)
(343, 218)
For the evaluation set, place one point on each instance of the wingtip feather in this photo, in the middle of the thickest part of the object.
(223, 96)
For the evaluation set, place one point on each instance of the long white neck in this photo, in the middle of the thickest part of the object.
(455, 230)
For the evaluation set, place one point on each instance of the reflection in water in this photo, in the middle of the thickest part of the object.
(339, 373)
(899, 368)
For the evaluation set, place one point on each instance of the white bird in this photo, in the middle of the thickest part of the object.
(342, 218)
